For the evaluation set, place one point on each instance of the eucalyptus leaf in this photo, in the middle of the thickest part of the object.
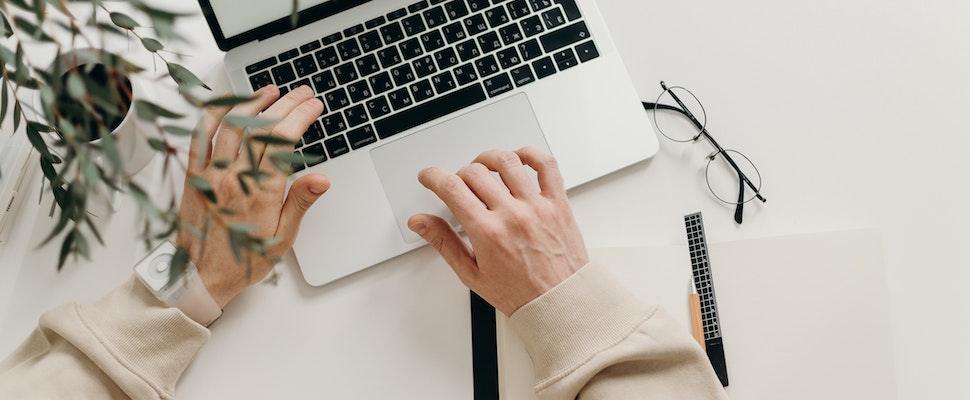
(184, 78)
(240, 121)
(66, 247)
(148, 111)
(272, 140)
(177, 130)
(204, 187)
(152, 45)
(122, 20)
(227, 101)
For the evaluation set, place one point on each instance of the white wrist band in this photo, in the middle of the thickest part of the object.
(186, 292)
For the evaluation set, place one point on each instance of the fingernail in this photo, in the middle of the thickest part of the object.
(418, 227)
(316, 190)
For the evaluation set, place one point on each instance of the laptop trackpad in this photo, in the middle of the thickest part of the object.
(508, 125)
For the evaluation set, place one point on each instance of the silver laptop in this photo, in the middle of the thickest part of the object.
(409, 85)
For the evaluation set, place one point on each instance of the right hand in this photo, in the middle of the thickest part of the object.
(524, 241)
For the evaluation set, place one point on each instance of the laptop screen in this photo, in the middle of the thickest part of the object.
(237, 22)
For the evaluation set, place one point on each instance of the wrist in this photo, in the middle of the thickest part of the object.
(186, 291)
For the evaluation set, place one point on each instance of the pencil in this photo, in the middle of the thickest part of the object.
(696, 321)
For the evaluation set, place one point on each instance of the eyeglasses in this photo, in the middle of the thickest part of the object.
(726, 181)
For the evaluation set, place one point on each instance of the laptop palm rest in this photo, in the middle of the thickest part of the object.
(509, 124)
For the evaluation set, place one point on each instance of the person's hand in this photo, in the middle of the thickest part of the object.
(265, 208)
(524, 240)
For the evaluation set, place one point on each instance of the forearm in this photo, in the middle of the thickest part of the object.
(126, 345)
(591, 338)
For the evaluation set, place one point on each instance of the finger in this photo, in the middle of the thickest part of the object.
(453, 191)
(509, 166)
(302, 194)
(488, 189)
(443, 238)
(229, 137)
(200, 150)
(291, 128)
(547, 168)
(276, 112)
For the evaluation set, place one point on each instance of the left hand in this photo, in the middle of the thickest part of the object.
(265, 207)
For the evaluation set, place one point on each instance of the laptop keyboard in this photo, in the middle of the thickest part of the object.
(422, 62)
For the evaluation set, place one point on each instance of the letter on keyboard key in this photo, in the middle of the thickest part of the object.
(498, 84)
(429, 111)
(361, 137)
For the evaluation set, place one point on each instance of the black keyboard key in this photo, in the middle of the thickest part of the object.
(354, 30)
(565, 59)
(432, 41)
(284, 90)
(336, 99)
(433, 2)
(397, 14)
(544, 67)
(587, 51)
(381, 83)
(532, 26)
(359, 91)
(411, 48)
(475, 24)
(309, 47)
(518, 9)
(510, 34)
(538, 5)
(497, 17)
(331, 39)
(299, 165)
(435, 17)
(367, 65)
(556, 40)
(478, 5)
(413, 25)
(530, 50)
(258, 66)
(373, 23)
(489, 42)
(370, 41)
(356, 115)
(289, 55)
(378, 107)
(400, 98)
(444, 82)
(333, 124)
(467, 50)
(446, 58)
(314, 133)
(553, 18)
(522, 76)
(389, 57)
(424, 66)
(453, 32)
(327, 57)
(305, 65)
(392, 33)
(260, 80)
(570, 8)
(361, 137)
(348, 49)
(422, 91)
(337, 146)
(465, 74)
(508, 58)
(345, 73)
(429, 111)
(402, 74)
(456, 9)
(486, 66)
(498, 84)
(421, 5)
(304, 82)
(316, 154)
(323, 81)
(283, 74)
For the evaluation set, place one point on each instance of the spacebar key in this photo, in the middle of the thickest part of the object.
(429, 111)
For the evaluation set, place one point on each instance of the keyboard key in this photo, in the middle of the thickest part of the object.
(411, 48)
(345, 73)
(497, 85)
(305, 65)
(392, 32)
(333, 124)
(400, 98)
(359, 91)
(478, 5)
(378, 107)
(432, 41)
(532, 26)
(510, 34)
(304, 82)
(453, 32)
(348, 49)
(354, 30)
(260, 80)
(327, 57)
(467, 50)
(429, 111)
(336, 99)
(402, 74)
(261, 65)
(475, 24)
(508, 58)
(421, 5)
(522, 76)
(297, 166)
(314, 133)
(381, 83)
(331, 39)
(309, 47)
(446, 58)
(486, 66)
(565, 59)
(465, 74)
(356, 115)
(397, 14)
(367, 65)
(289, 55)
(413, 25)
(435, 17)
(433, 2)
(389, 57)
(538, 5)
(570, 8)
(587, 51)
(444, 82)
(530, 50)
(283, 74)
(424, 66)
(316, 154)
(518, 9)
(544, 67)
(553, 18)
(556, 40)
(284, 90)
(337, 146)
(456, 9)
(421, 91)
(361, 137)
(370, 41)
(373, 23)
(323, 81)
(489, 42)
(497, 17)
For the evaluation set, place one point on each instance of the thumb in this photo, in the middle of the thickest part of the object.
(443, 238)
(302, 194)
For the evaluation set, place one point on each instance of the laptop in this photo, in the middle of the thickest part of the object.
(410, 84)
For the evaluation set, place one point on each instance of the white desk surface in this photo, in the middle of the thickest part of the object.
(854, 111)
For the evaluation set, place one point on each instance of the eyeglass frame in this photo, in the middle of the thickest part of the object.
(683, 110)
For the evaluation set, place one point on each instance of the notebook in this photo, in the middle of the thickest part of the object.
(409, 85)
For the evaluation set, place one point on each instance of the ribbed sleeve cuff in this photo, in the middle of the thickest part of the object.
(587, 313)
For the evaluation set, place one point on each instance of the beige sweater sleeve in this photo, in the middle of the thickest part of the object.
(126, 345)
(590, 338)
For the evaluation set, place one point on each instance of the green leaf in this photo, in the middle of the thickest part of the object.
(295, 14)
(221, 164)
(285, 161)
(184, 78)
(240, 227)
(227, 101)
(272, 140)
(180, 261)
(204, 187)
(122, 20)
(148, 111)
(66, 246)
(7, 29)
(177, 130)
(247, 122)
(152, 45)
(34, 137)
(75, 86)
(158, 145)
